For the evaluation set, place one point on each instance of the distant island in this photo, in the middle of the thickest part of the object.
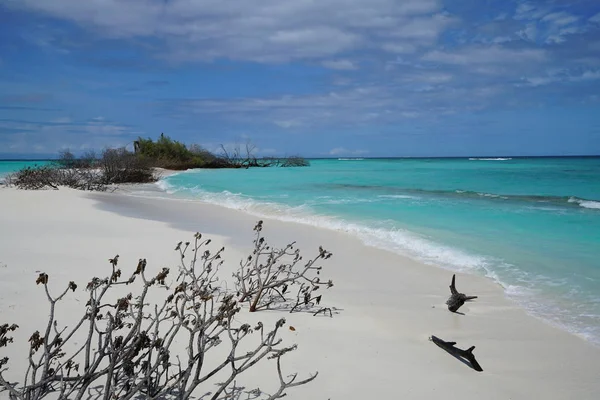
(92, 171)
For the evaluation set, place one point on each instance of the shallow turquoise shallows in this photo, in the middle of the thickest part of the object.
(7, 167)
(533, 225)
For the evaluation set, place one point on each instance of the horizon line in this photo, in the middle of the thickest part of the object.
(350, 158)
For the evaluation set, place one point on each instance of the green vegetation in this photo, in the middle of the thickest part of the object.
(171, 154)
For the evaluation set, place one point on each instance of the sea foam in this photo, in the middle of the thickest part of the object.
(397, 240)
(591, 204)
(491, 159)
(527, 226)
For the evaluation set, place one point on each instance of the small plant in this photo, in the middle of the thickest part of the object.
(266, 277)
(129, 348)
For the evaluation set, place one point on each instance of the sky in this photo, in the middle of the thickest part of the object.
(319, 78)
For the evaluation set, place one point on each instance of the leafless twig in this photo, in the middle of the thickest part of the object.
(265, 277)
(129, 349)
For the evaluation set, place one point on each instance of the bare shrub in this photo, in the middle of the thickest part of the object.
(89, 159)
(295, 161)
(67, 160)
(265, 277)
(33, 178)
(128, 348)
(115, 166)
(49, 177)
(122, 166)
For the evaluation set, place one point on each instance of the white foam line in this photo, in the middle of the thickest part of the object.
(399, 240)
(402, 242)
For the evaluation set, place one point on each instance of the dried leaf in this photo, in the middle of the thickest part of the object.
(42, 278)
(114, 261)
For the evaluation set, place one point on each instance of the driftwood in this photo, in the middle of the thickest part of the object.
(466, 356)
(456, 300)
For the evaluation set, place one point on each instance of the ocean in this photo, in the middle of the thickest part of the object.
(530, 224)
(7, 167)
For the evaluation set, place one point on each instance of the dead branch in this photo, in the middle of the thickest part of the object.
(456, 299)
(265, 277)
(463, 355)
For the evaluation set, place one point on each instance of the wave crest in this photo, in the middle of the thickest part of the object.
(490, 159)
(590, 204)
(397, 240)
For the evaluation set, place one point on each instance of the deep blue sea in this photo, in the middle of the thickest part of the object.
(532, 225)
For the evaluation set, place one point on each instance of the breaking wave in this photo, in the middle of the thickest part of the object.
(490, 159)
(564, 201)
(532, 291)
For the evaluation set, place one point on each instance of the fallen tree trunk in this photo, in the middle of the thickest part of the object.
(456, 300)
(462, 355)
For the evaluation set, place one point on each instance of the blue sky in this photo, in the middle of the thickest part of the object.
(311, 77)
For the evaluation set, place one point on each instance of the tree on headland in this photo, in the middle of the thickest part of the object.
(171, 154)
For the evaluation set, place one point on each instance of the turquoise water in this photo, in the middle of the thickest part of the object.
(7, 167)
(533, 225)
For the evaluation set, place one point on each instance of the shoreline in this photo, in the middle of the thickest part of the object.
(161, 192)
(376, 347)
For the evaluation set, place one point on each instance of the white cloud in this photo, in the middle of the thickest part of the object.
(342, 65)
(501, 39)
(19, 136)
(563, 76)
(560, 18)
(346, 106)
(529, 32)
(256, 30)
(400, 47)
(410, 114)
(589, 75)
(595, 18)
(341, 151)
(540, 80)
(61, 120)
(424, 94)
(287, 124)
(420, 29)
(546, 24)
(524, 9)
(485, 55)
(431, 77)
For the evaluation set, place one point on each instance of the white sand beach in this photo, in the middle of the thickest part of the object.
(377, 347)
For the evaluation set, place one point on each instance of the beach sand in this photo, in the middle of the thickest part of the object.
(377, 347)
